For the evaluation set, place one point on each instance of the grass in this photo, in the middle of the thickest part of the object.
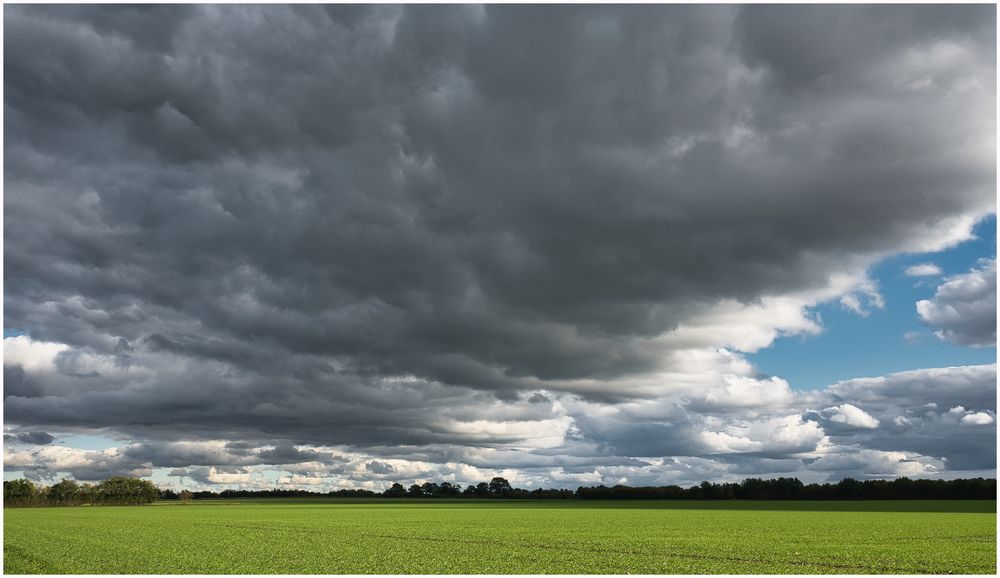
(295, 536)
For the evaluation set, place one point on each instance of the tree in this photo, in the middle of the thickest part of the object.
(122, 490)
(88, 493)
(500, 487)
(849, 488)
(447, 490)
(65, 491)
(396, 491)
(18, 491)
(185, 495)
(415, 491)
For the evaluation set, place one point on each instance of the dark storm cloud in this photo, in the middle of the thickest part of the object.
(288, 454)
(34, 437)
(16, 383)
(804, 45)
(365, 225)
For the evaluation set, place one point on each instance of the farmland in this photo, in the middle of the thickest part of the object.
(504, 537)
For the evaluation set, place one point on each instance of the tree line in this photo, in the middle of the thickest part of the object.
(112, 491)
(120, 490)
(793, 489)
(748, 489)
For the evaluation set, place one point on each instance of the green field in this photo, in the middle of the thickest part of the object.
(504, 537)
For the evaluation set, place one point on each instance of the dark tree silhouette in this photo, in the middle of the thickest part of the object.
(500, 487)
(121, 490)
(396, 491)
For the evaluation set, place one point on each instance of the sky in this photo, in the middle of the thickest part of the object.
(327, 247)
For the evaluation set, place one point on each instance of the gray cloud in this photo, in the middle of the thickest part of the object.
(914, 409)
(288, 454)
(379, 468)
(34, 437)
(918, 423)
(964, 307)
(390, 230)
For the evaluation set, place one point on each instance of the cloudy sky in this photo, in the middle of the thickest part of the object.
(343, 246)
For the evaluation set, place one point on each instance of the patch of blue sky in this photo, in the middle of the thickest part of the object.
(162, 476)
(260, 475)
(87, 442)
(887, 340)
(10, 475)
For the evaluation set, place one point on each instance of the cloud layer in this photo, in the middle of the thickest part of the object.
(377, 233)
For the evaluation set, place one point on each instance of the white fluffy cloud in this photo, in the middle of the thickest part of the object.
(978, 418)
(865, 298)
(785, 436)
(851, 415)
(737, 391)
(923, 270)
(47, 462)
(964, 308)
(31, 355)
(875, 463)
